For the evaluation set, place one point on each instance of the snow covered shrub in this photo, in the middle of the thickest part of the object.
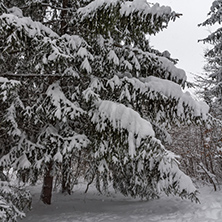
(13, 201)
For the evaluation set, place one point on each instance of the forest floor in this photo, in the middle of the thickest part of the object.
(94, 207)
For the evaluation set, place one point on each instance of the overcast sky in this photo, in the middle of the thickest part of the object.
(181, 36)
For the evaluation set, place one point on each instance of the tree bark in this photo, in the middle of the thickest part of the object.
(47, 185)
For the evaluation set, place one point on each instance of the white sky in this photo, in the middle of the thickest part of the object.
(181, 36)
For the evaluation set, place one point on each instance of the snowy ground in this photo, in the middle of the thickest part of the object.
(92, 207)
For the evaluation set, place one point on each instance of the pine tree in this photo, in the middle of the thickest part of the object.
(213, 81)
(13, 199)
(91, 98)
(210, 88)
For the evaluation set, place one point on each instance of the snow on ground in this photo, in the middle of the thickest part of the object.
(93, 207)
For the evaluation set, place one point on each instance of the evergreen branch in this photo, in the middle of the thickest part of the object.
(55, 7)
(30, 75)
(51, 21)
(48, 5)
(178, 15)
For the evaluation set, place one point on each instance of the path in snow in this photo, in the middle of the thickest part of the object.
(92, 207)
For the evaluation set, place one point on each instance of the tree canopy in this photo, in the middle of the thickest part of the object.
(213, 68)
(84, 94)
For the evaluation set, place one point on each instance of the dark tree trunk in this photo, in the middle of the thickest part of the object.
(47, 185)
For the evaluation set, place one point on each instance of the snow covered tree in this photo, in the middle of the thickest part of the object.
(213, 82)
(13, 199)
(210, 89)
(87, 93)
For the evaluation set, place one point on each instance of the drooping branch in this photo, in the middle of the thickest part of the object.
(211, 176)
(31, 75)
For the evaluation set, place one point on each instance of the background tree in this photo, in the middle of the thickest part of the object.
(13, 199)
(199, 151)
(93, 96)
(200, 147)
(212, 81)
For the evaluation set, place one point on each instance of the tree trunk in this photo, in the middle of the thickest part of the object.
(47, 186)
